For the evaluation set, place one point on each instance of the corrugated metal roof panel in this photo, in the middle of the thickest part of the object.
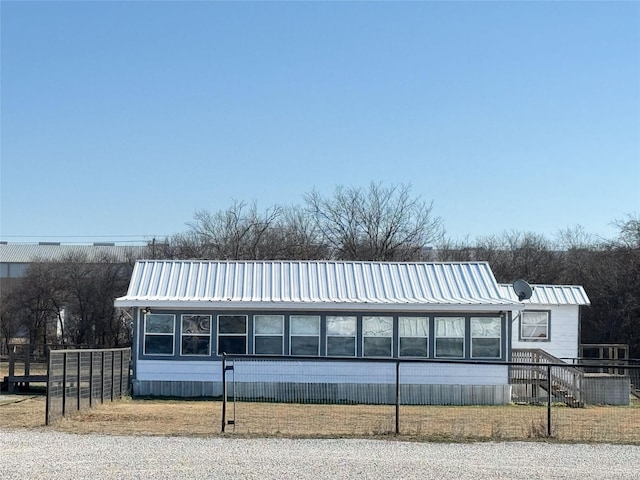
(312, 283)
(28, 253)
(551, 295)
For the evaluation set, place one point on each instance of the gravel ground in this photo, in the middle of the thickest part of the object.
(37, 454)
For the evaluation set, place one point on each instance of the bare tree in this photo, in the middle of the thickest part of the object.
(379, 223)
(240, 232)
(514, 255)
(37, 301)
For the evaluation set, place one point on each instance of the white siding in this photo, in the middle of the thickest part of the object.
(183, 370)
(563, 330)
(324, 372)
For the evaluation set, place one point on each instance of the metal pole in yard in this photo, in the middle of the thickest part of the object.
(397, 397)
(549, 400)
(224, 391)
(47, 409)
(79, 384)
(64, 383)
(102, 376)
(113, 360)
(91, 379)
(12, 367)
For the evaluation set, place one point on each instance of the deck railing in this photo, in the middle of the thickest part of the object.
(566, 382)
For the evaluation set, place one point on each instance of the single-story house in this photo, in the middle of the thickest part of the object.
(187, 313)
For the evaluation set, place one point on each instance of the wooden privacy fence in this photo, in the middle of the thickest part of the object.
(78, 379)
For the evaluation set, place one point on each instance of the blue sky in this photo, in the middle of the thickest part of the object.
(121, 119)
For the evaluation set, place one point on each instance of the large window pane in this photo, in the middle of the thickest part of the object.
(196, 324)
(232, 344)
(341, 336)
(156, 323)
(341, 326)
(450, 347)
(196, 335)
(268, 345)
(305, 345)
(450, 335)
(413, 327)
(486, 337)
(232, 324)
(376, 347)
(195, 345)
(485, 347)
(304, 335)
(268, 333)
(232, 334)
(341, 346)
(158, 345)
(159, 330)
(377, 334)
(305, 325)
(413, 335)
(414, 347)
(268, 324)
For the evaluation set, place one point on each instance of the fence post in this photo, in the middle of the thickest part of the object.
(79, 384)
(27, 364)
(91, 379)
(12, 367)
(397, 397)
(549, 400)
(102, 377)
(224, 391)
(47, 408)
(121, 372)
(64, 383)
(113, 367)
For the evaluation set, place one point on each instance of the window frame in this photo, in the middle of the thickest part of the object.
(535, 339)
(436, 336)
(222, 335)
(427, 338)
(364, 336)
(182, 335)
(499, 337)
(354, 336)
(159, 334)
(256, 335)
(318, 318)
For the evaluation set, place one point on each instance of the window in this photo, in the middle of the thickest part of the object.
(341, 336)
(268, 333)
(449, 336)
(413, 336)
(232, 334)
(305, 335)
(486, 337)
(377, 335)
(159, 330)
(534, 326)
(195, 335)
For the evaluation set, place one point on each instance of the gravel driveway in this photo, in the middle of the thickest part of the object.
(37, 454)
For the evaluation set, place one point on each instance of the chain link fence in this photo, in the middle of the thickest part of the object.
(78, 379)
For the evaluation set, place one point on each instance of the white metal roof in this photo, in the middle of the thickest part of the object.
(51, 252)
(551, 295)
(315, 285)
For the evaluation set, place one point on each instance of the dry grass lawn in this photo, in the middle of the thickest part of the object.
(203, 418)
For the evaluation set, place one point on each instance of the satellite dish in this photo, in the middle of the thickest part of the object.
(523, 289)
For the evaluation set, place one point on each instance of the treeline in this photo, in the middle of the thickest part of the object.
(377, 223)
(69, 301)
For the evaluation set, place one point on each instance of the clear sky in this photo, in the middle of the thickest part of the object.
(121, 119)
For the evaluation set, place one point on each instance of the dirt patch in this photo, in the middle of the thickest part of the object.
(203, 418)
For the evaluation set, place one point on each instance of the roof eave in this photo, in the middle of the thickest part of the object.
(317, 306)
